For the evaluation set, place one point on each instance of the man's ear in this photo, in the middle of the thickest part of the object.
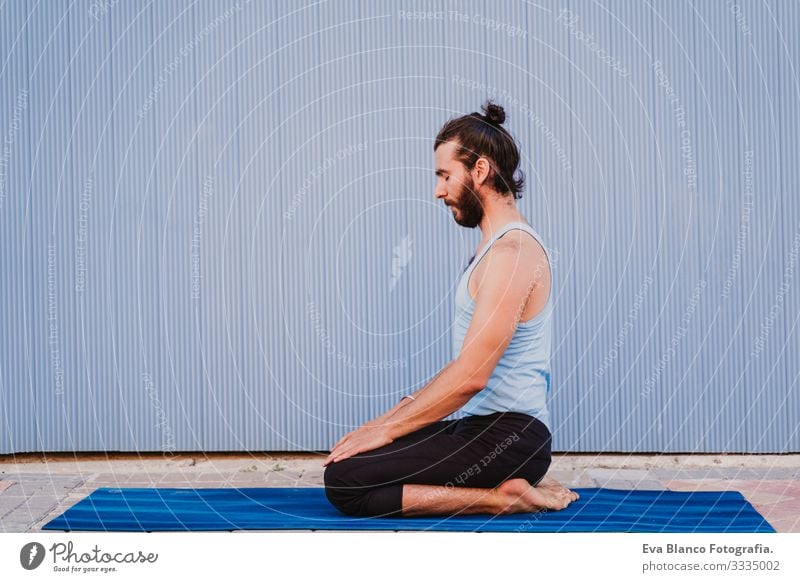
(481, 171)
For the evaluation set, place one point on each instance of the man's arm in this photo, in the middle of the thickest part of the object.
(510, 279)
(403, 402)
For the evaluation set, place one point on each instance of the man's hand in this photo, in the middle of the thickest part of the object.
(370, 436)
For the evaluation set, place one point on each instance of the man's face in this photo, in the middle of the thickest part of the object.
(456, 187)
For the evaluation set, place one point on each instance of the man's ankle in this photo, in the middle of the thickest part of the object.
(501, 501)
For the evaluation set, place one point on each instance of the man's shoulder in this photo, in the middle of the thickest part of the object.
(515, 254)
(520, 244)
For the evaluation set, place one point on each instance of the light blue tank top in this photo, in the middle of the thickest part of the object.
(521, 380)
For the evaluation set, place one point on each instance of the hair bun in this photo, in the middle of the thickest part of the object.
(493, 112)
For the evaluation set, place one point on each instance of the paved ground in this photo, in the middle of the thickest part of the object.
(35, 489)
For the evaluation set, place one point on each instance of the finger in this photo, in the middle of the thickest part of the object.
(344, 454)
(331, 456)
(341, 455)
(347, 437)
(341, 445)
(341, 440)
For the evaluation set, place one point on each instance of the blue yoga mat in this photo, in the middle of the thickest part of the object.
(280, 508)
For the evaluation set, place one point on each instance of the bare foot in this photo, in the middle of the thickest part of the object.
(520, 496)
(548, 480)
(551, 484)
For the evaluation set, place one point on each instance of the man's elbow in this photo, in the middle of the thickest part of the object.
(476, 387)
(474, 380)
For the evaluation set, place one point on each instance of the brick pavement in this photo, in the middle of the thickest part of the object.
(31, 494)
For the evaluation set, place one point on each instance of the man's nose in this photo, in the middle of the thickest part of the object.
(440, 193)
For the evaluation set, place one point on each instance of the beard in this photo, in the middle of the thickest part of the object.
(468, 205)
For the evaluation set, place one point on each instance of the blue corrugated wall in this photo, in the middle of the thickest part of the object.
(219, 232)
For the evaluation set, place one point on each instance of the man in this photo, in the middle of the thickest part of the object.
(409, 461)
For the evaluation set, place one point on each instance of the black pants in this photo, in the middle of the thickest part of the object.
(474, 451)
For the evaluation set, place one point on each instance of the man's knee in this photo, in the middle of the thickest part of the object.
(353, 497)
(339, 491)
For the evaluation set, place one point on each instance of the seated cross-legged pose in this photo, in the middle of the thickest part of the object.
(410, 462)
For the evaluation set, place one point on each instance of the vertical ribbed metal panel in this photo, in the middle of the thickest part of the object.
(16, 341)
(780, 416)
(53, 354)
(597, 202)
(771, 57)
(711, 394)
(93, 412)
(614, 150)
(219, 229)
(763, 249)
(127, 240)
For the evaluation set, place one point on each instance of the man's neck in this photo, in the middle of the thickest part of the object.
(497, 212)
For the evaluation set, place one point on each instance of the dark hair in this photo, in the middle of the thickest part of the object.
(483, 135)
